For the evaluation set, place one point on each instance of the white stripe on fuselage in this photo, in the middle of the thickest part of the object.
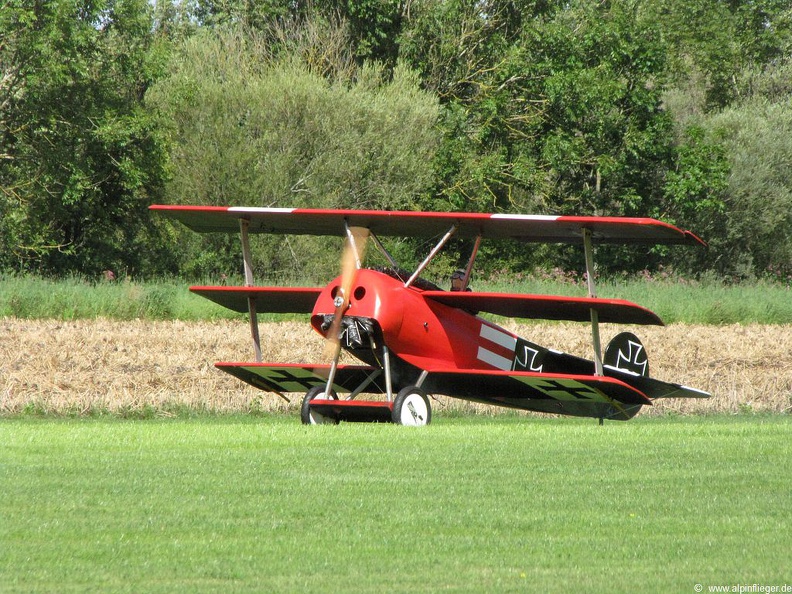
(494, 359)
(501, 339)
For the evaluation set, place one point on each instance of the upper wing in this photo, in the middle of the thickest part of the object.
(268, 299)
(533, 228)
(548, 307)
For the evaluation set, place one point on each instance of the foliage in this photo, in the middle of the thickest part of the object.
(81, 156)
(758, 213)
(736, 190)
(559, 115)
(665, 108)
(712, 43)
(249, 128)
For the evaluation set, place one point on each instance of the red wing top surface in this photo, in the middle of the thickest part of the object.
(531, 228)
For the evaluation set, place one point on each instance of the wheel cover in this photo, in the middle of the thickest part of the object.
(414, 411)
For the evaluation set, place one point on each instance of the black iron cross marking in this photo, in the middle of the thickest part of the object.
(578, 391)
(635, 359)
(286, 376)
(530, 360)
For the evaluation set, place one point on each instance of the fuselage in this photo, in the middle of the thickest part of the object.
(422, 335)
(422, 332)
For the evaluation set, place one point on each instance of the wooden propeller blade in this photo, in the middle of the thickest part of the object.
(351, 259)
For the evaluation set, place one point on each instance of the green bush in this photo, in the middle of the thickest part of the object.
(253, 129)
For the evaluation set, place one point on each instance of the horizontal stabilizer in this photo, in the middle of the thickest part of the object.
(655, 388)
(548, 307)
(268, 299)
(529, 228)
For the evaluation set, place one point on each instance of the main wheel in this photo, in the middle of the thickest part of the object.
(312, 417)
(411, 407)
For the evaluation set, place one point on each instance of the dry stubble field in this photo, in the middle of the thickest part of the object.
(103, 365)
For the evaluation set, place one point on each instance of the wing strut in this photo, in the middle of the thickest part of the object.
(383, 251)
(388, 379)
(471, 260)
(431, 255)
(247, 259)
(595, 335)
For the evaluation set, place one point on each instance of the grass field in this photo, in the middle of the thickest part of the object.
(468, 504)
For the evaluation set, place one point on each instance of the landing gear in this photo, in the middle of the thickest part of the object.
(411, 407)
(312, 417)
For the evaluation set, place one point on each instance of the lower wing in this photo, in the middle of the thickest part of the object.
(579, 395)
(520, 385)
(297, 377)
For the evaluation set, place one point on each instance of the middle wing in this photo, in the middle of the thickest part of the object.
(268, 299)
(548, 307)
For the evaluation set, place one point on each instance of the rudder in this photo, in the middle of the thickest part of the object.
(627, 353)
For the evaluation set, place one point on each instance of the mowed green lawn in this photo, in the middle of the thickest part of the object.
(468, 504)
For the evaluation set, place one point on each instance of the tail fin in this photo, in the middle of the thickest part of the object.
(627, 353)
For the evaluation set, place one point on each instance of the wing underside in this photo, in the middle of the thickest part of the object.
(530, 228)
(548, 307)
(590, 396)
(266, 299)
(296, 377)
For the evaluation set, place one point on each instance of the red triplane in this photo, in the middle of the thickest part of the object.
(414, 339)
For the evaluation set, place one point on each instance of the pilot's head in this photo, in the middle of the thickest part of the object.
(458, 280)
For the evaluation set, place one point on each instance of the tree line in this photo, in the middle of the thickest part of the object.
(675, 109)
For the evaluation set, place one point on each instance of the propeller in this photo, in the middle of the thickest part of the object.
(354, 249)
